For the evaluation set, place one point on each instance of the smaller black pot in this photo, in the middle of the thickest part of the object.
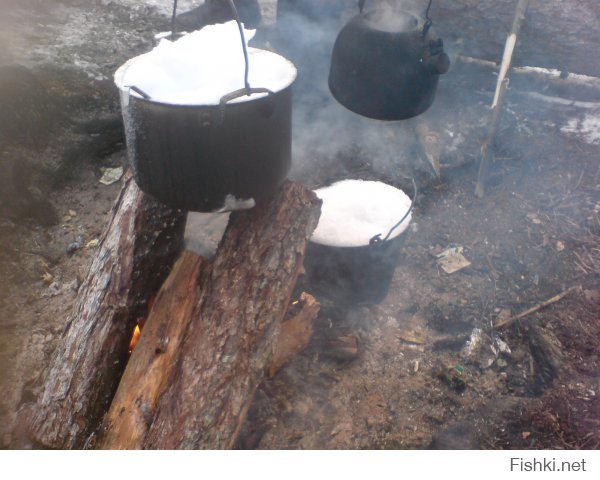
(386, 64)
(353, 275)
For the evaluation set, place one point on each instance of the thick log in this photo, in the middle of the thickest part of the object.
(132, 409)
(244, 294)
(138, 247)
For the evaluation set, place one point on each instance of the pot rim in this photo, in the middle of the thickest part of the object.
(367, 19)
(119, 77)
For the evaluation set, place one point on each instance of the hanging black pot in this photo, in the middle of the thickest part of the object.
(386, 64)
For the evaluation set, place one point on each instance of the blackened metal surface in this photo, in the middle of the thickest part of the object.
(198, 157)
(353, 275)
(383, 73)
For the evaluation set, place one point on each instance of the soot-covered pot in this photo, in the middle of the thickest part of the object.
(386, 64)
(208, 147)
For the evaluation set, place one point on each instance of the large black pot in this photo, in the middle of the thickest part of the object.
(353, 275)
(386, 64)
(209, 157)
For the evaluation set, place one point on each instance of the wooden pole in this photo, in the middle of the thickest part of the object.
(502, 83)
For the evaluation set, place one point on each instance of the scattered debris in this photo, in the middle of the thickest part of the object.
(452, 377)
(76, 245)
(534, 218)
(410, 337)
(92, 243)
(560, 246)
(111, 175)
(501, 345)
(452, 260)
(341, 345)
(53, 290)
(592, 295)
(479, 349)
(47, 277)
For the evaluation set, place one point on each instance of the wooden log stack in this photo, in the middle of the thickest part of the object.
(135, 253)
(207, 341)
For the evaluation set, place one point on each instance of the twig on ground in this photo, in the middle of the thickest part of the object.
(537, 307)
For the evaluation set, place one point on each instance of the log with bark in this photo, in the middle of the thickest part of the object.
(137, 249)
(243, 295)
(133, 406)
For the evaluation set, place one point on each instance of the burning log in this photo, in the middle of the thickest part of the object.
(243, 295)
(296, 332)
(137, 249)
(134, 404)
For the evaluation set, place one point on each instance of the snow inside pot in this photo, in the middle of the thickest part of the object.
(198, 136)
(354, 250)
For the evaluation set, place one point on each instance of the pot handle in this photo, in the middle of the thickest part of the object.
(375, 240)
(240, 93)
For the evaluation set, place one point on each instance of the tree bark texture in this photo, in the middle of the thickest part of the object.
(132, 409)
(137, 249)
(243, 296)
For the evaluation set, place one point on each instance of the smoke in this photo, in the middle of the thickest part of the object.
(328, 140)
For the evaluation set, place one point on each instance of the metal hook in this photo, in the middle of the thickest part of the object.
(428, 21)
(376, 239)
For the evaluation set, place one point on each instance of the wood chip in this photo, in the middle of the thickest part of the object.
(410, 337)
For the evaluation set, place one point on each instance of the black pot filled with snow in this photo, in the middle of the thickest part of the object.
(199, 137)
(355, 248)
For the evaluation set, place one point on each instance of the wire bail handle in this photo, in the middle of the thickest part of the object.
(236, 17)
(376, 239)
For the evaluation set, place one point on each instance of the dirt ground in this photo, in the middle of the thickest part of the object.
(423, 368)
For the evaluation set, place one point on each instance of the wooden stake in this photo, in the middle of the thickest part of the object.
(501, 85)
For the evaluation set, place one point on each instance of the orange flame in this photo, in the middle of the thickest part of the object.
(134, 338)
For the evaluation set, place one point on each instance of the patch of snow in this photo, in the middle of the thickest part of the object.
(232, 203)
(588, 128)
(203, 66)
(354, 211)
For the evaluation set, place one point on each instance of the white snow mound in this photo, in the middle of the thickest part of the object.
(354, 211)
(202, 66)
